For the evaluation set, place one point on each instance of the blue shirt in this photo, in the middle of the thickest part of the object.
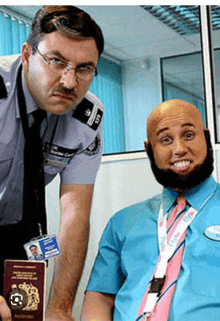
(128, 254)
(74, 153)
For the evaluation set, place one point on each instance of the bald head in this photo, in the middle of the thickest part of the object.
(177, 143)
(169, 111)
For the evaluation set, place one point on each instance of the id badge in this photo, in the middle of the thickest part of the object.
(42, 248)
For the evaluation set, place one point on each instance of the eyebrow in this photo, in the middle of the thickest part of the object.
(167, 128)
(58, 54)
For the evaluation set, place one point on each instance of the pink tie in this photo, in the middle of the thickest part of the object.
(162, 308)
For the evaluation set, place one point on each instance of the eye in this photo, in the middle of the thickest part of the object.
(56, 61)
(189, 135)
(86, 69)
(57, 65)
(166, 140)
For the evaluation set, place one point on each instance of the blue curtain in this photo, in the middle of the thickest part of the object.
(13, 33)
(107, 86)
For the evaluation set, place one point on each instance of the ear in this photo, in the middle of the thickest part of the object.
(25, 54)
(207, 135)
(146, 145)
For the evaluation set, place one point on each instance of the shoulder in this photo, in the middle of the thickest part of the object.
(7, 62)
(8, 67)
(217, 192)
(95, 100)
(89, 111)
(131, 214)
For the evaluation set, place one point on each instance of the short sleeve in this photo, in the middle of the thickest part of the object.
(106, 275)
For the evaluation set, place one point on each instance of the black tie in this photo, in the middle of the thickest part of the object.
(34, 211)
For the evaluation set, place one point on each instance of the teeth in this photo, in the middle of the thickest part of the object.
(182, 164)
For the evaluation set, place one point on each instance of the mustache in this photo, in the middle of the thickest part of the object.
(64, 91)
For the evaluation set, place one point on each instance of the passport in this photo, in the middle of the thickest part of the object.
(25, 288)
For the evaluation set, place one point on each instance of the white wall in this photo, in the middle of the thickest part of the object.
(118, 184)
(142, 93)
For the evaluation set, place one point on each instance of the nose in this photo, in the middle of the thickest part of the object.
(69, 79)
(179, 147)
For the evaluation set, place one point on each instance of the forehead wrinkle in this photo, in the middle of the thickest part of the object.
(162, 130)
(167, 128)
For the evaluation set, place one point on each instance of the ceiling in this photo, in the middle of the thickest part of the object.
(131, 32)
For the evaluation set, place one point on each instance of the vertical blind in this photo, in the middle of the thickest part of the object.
(107, 86)
(13, 33)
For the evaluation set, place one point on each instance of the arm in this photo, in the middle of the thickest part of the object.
(5, 312)
(98, 307)
(75, 201)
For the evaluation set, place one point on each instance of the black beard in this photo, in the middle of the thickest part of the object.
(172, 180)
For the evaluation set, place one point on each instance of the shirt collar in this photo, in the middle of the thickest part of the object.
(168, 199)
(199, 194)
(195, 197)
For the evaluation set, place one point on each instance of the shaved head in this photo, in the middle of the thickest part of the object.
(169, 109)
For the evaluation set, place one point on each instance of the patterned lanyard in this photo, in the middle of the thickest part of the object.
(166, 252)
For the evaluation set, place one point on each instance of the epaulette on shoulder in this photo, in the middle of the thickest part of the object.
(88, 113)
(3, 91)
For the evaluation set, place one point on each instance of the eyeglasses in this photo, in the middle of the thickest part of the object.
(59, 67)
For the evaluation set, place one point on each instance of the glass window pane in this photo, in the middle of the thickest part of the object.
(183, 79)
(215, 16)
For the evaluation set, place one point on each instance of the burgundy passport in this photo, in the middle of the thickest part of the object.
(24, 289)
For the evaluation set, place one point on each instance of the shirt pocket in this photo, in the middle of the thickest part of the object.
(204, 276)
(54, 165)
(56, 158)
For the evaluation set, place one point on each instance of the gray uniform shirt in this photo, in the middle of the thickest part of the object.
(74, 152)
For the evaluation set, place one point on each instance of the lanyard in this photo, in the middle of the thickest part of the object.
(38, 211)
(22, 104)
(166, 252)
(167, 249)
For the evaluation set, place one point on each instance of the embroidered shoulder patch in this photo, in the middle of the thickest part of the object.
(94, 148)
(88, 113)
(3, 91)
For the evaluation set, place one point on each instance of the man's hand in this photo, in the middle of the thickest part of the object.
(75, 202)
(58, 316)
(5, 312)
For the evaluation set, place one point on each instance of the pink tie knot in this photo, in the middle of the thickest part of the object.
(181, 200)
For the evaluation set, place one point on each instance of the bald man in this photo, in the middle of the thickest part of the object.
(181, 158)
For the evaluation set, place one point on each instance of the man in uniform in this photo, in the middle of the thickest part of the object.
(53, 74)
(140, 272)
